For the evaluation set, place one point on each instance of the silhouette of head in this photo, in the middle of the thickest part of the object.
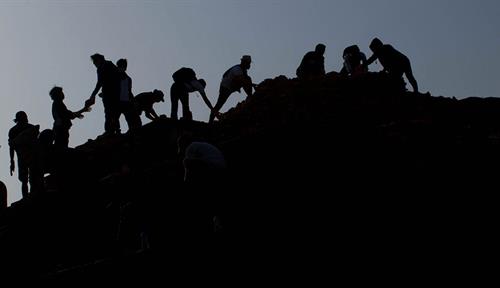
(56, 93)
(320, 49)
(376, 44)
(97, 59)
(21, 117)
(158, 95)
(203, 82)
(122, 64)
(46, 137)
(245, 61)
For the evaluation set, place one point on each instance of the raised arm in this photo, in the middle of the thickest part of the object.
(205, 99)
(371, 59)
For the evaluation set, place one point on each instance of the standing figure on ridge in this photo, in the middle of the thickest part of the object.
(22, 140)
(108, 80)
(62, 118)
(126, 103)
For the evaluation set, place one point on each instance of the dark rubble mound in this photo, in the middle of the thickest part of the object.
(357, 168)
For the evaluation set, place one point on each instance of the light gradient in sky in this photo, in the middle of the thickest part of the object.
(454, 46)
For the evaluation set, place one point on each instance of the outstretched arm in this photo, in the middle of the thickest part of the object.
(205, 99)
(98, 87)
(371, 59)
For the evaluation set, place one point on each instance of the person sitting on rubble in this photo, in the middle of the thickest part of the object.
(312, 64)
(354, 62)
(144, 103)
(22, 138)
(394, 62)
(185, 81)
(233, 80)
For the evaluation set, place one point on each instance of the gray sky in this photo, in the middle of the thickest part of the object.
(454, 47)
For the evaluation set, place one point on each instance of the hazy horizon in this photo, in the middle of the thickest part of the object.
(453, 47)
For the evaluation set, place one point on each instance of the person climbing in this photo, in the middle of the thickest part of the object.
(233, 80)
(394, 62)
(107, 80)
(144, 103)
(312, 64)
(185, 81)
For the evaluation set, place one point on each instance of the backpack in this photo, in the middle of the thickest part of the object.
(24, 143)
(184, 75)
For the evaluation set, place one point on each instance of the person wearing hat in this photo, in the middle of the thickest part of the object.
(185, 82)
(394, 62)
(233, 80)
(22, 138)
(144, 102)
(312, 64)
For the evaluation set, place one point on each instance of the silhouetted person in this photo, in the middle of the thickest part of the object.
(108, 81)
(354, 61)
(126, 105)
(313, 63)
(3, 196)
(185, 81)
(22, 138)
(145, 101)
(62, 118)
(203, 162)
(233, 80)
(42, 156)
(394, 62)
(204, 173)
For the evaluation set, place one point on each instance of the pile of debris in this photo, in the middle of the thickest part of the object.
(349, 157)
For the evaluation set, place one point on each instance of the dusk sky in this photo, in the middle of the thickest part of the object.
(453, 45)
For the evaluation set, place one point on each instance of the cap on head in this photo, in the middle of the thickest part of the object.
(246, 58)
(97, 57)
(159, 94)
(320, 48)
(21, 117)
